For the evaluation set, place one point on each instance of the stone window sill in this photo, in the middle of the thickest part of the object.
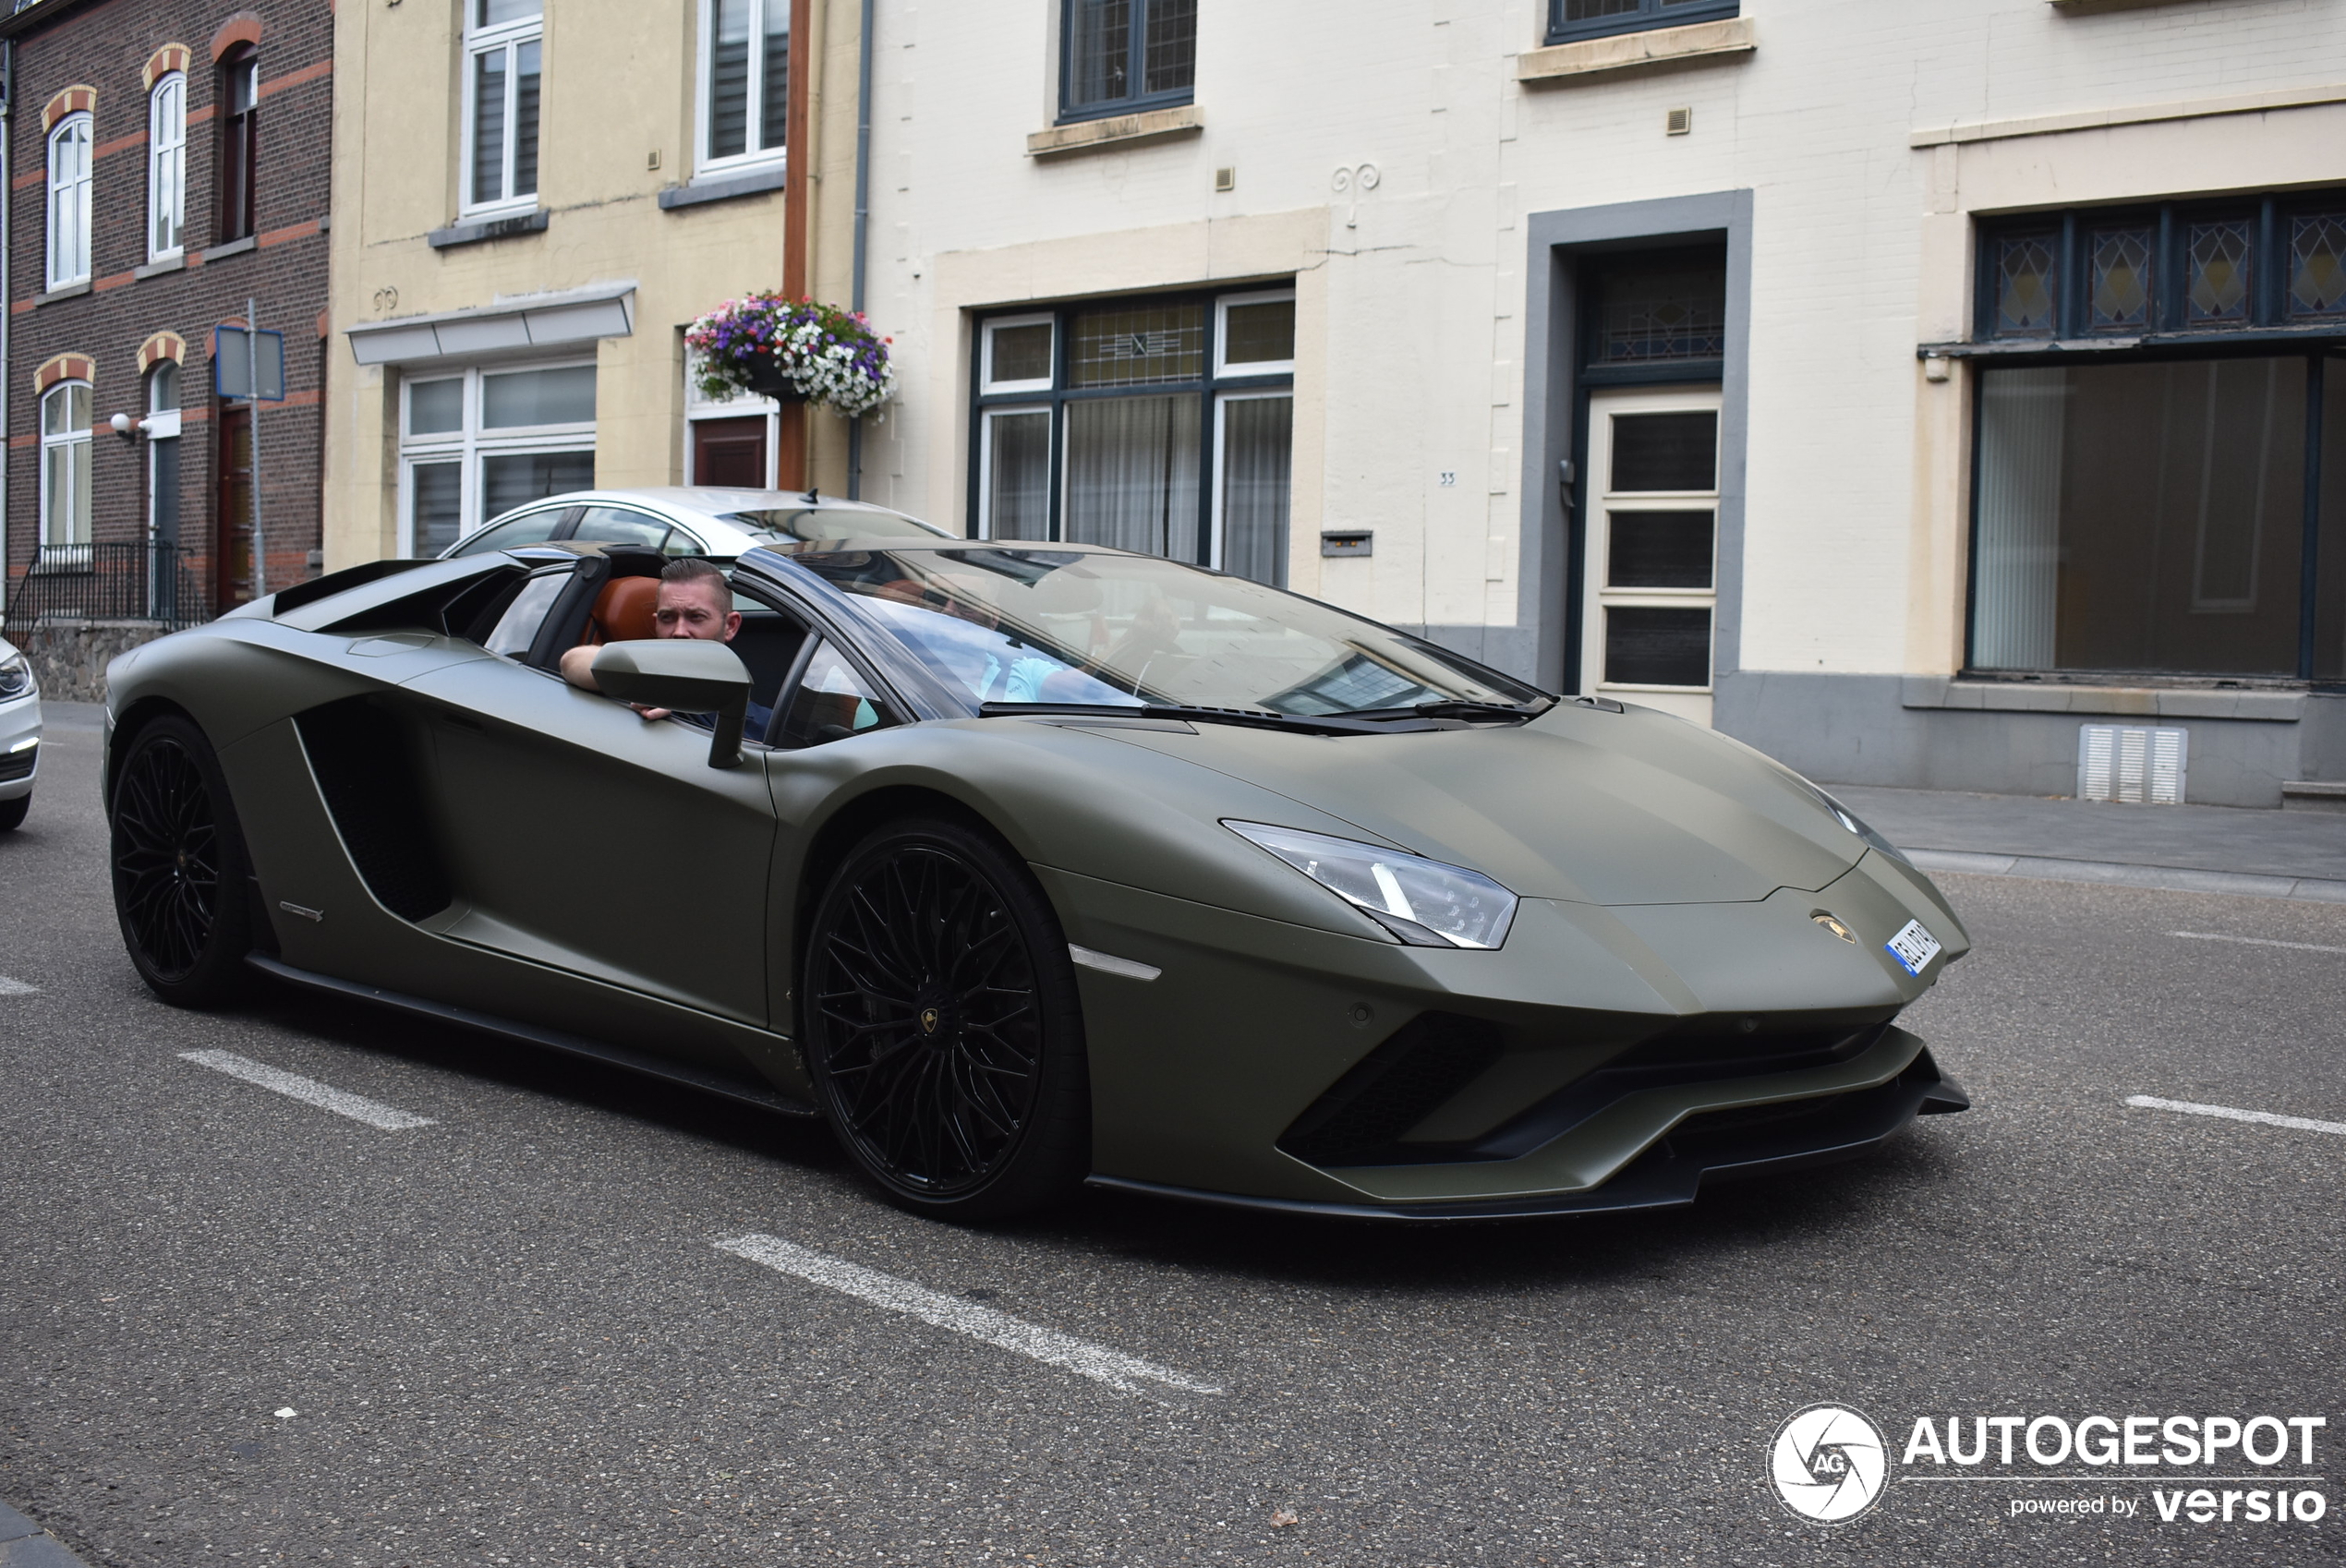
(480, 230)
(1691, 44)
(71, 291)
(724, 187)
(234, 247)
(157, 269)
(1117, 131)
(2125, 702)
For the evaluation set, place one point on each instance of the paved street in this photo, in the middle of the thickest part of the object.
(241, 1327)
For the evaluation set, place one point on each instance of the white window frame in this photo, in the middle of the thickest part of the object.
(73, 500)
(507, 38)
(987, 386)
(1223, 368)
(985, 458)
(167, 164)
(68, 203)
(704, 122)
(733, 406)
(1688, 701)
(468, 444)
(1222, 402)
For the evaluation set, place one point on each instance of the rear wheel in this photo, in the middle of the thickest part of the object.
(180, 870)
(12, 812)
(942, 1027)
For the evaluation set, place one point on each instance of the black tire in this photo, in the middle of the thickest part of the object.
(942, 1026)
(180, 872)
(12, 812)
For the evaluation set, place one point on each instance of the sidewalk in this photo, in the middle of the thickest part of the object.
(24, 1544)
(2269, 854)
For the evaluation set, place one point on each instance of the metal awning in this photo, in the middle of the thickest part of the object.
(510, 322)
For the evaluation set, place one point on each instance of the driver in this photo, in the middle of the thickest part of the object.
(695, 601)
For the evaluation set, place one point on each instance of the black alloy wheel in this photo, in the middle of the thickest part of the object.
(942, 1026)
(180, 872)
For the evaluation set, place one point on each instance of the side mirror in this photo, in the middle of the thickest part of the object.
(689, 674)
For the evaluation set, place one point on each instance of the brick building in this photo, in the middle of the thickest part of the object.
(168, 160)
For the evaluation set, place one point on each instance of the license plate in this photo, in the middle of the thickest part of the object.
(1913, 947)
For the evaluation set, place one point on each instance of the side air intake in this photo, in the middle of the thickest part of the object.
(359, 753)
(1391, 1090)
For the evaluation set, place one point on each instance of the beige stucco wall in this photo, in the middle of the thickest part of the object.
(618, 88)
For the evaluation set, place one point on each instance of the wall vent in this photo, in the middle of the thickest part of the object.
(2131, 764)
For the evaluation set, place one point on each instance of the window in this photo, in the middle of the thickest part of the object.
(65, 476)
(831, 701)
(502, 45)
(1568, 19)
(733, 440)
(167, 167)
(1660, 310)
(239, 143)
(1118, 55)
(2247, 265)
(69, 202)
(745, 67)
(475, 444)
(2159, 504)
(162, 428)
(1157, 425)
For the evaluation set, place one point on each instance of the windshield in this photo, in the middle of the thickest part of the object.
(791, 524)
(1039, 625)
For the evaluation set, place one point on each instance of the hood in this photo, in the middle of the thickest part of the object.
(1581, 805)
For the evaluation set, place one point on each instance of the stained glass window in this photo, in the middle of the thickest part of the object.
(2120, 296)
(1658, 307)
(2025, 267)
(2217, 280)
(2317, 264)
(1122, 348)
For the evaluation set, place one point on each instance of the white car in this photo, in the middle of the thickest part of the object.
(20, 735)
(691, 520)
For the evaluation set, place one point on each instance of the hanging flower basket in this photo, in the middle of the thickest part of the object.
(792, 350)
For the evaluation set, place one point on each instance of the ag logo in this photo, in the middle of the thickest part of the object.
(1828, 1463)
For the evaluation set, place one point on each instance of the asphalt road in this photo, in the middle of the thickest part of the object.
(238, 1328)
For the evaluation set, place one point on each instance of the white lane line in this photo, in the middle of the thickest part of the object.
(1111, 1367)
(2255, 941)
(2303, 1123)
(17, 988)
(308, 1091)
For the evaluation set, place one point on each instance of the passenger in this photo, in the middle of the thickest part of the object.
(695, 601)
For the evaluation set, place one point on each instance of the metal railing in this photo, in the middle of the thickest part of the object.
(124, 581)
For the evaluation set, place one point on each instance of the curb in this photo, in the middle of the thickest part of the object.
(24, 1544)
(2166, 878)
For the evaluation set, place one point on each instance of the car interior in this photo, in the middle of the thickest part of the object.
(610, 596)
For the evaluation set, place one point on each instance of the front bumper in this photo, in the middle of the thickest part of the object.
(20, 723)
(1595, 1062)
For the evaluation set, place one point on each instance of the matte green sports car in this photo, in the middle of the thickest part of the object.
(1054, 863)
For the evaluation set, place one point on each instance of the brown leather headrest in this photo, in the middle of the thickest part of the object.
(623, 610)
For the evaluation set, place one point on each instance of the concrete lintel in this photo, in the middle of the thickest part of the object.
(1121, 130)
(2120, 702)
(2140, 113)
(1693, 44)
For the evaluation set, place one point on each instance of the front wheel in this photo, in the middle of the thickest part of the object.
(179, 867)
(942, 1027)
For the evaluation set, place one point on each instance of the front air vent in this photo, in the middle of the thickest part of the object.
(359, 753)
(1391, 1090)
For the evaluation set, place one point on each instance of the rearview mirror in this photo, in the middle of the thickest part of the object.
(689, 674)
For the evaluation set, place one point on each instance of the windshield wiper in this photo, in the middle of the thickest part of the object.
(1454, 708)
(1246, 717)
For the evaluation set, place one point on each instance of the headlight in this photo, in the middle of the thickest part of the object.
(1423, 902)
(16, 677)
(1856, 824)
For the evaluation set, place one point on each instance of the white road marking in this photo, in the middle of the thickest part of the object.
(2303, 1123)
(1111, 1367)
(17, 988)
(2255, 941)
(308, 1091)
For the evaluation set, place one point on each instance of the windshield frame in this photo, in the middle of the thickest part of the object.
(904, 669)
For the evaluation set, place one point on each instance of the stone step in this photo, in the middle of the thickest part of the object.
(2313, 795)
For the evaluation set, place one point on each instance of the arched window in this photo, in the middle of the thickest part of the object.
(239, 140)
(69, 201)
(65, 475)
(167, 167)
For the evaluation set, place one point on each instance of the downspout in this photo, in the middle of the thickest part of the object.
(863, 224)
(7, 208)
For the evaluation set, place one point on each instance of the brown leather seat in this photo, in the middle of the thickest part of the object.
(624, 611)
